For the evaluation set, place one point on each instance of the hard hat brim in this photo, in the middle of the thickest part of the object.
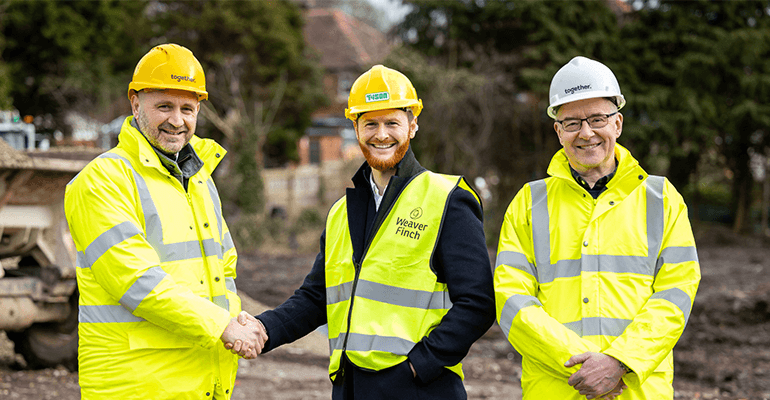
(137, 86)
(353, 112)
(620, 100)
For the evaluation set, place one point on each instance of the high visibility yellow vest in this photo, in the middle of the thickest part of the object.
(379, 309)
(616, 274)
(156, 275)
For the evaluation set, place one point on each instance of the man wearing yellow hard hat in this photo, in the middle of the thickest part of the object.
(403, 276)
(156, 262)
(596, 268)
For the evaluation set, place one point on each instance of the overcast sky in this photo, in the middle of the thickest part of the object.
(394, 10)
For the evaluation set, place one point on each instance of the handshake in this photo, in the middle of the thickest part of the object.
(245, 336)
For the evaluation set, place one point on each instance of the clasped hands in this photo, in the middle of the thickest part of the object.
(600, 375)
(245, 336)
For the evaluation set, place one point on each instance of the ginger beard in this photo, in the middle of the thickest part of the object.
(386, 164)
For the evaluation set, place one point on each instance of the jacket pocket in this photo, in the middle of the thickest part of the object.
(150, 336)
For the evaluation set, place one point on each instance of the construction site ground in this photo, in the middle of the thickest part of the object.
(723, 354)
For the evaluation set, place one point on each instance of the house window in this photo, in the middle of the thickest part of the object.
(344, 83)
(315, 152)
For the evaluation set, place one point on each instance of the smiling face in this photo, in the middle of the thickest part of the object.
(384, 137)
(590, 150)
(166, 117)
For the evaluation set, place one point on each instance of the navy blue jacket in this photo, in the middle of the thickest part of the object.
(460, 260)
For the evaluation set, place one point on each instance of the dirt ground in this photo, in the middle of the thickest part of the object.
(723, 354)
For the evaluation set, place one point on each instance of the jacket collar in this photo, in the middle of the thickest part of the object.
(134, 142)
(560, 168)
(628, 176)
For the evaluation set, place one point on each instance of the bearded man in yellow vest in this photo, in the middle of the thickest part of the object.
(156, 262)
(596, 267)
(403, 276)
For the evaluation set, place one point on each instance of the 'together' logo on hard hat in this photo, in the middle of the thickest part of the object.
(180, 78)
(381, 96)
(576, 88)
(409, 227)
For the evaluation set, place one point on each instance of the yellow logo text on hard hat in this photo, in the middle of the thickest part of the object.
(381, 96)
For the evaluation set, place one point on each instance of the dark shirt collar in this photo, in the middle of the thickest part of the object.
(599, 187)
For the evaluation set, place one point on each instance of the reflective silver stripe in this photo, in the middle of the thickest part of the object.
(142, 287)
(179, 251)
(152, 222)
(424, 300)
(227, 243)
(172, 251)
(678, 297)
(676, 255)
(548, 272)
(212, 248)
(512, 306)
(596, 326)
(105, 314)
(541, 236)
(81, 260)
(338, 293)
(336, 343)
(230, 285)
(654, 216)
(107, 239)
(221, 301)
(217, 207)
(516, 260)
(595, 263)
(361, 342)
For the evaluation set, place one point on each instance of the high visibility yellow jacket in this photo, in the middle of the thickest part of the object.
(379, 309)
(616, 274)
(156, 275)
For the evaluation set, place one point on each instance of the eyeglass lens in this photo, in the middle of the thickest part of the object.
(594, 121)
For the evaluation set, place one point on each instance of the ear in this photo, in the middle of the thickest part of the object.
(413, 128)
(355, 127)
(558, 132)
(619, 125)
(135, 103)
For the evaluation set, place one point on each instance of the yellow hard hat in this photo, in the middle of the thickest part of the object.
(169, 66)
(381, 88)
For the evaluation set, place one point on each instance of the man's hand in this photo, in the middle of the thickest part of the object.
(245, 336)
(599, 375)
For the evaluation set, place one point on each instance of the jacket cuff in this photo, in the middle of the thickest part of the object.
(425, 365)
(267, 322)
(221, 324)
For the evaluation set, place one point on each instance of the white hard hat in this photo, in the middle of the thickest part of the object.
(582, 78)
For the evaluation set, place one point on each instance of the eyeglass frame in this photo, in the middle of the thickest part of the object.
(586, 121)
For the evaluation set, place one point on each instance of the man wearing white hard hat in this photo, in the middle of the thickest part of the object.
(596, 268)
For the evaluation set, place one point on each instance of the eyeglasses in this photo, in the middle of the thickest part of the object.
(597, 121)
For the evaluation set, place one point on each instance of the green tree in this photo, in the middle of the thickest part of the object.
(70, 56)
(485, 80)
(262, 84)
(699, 76)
